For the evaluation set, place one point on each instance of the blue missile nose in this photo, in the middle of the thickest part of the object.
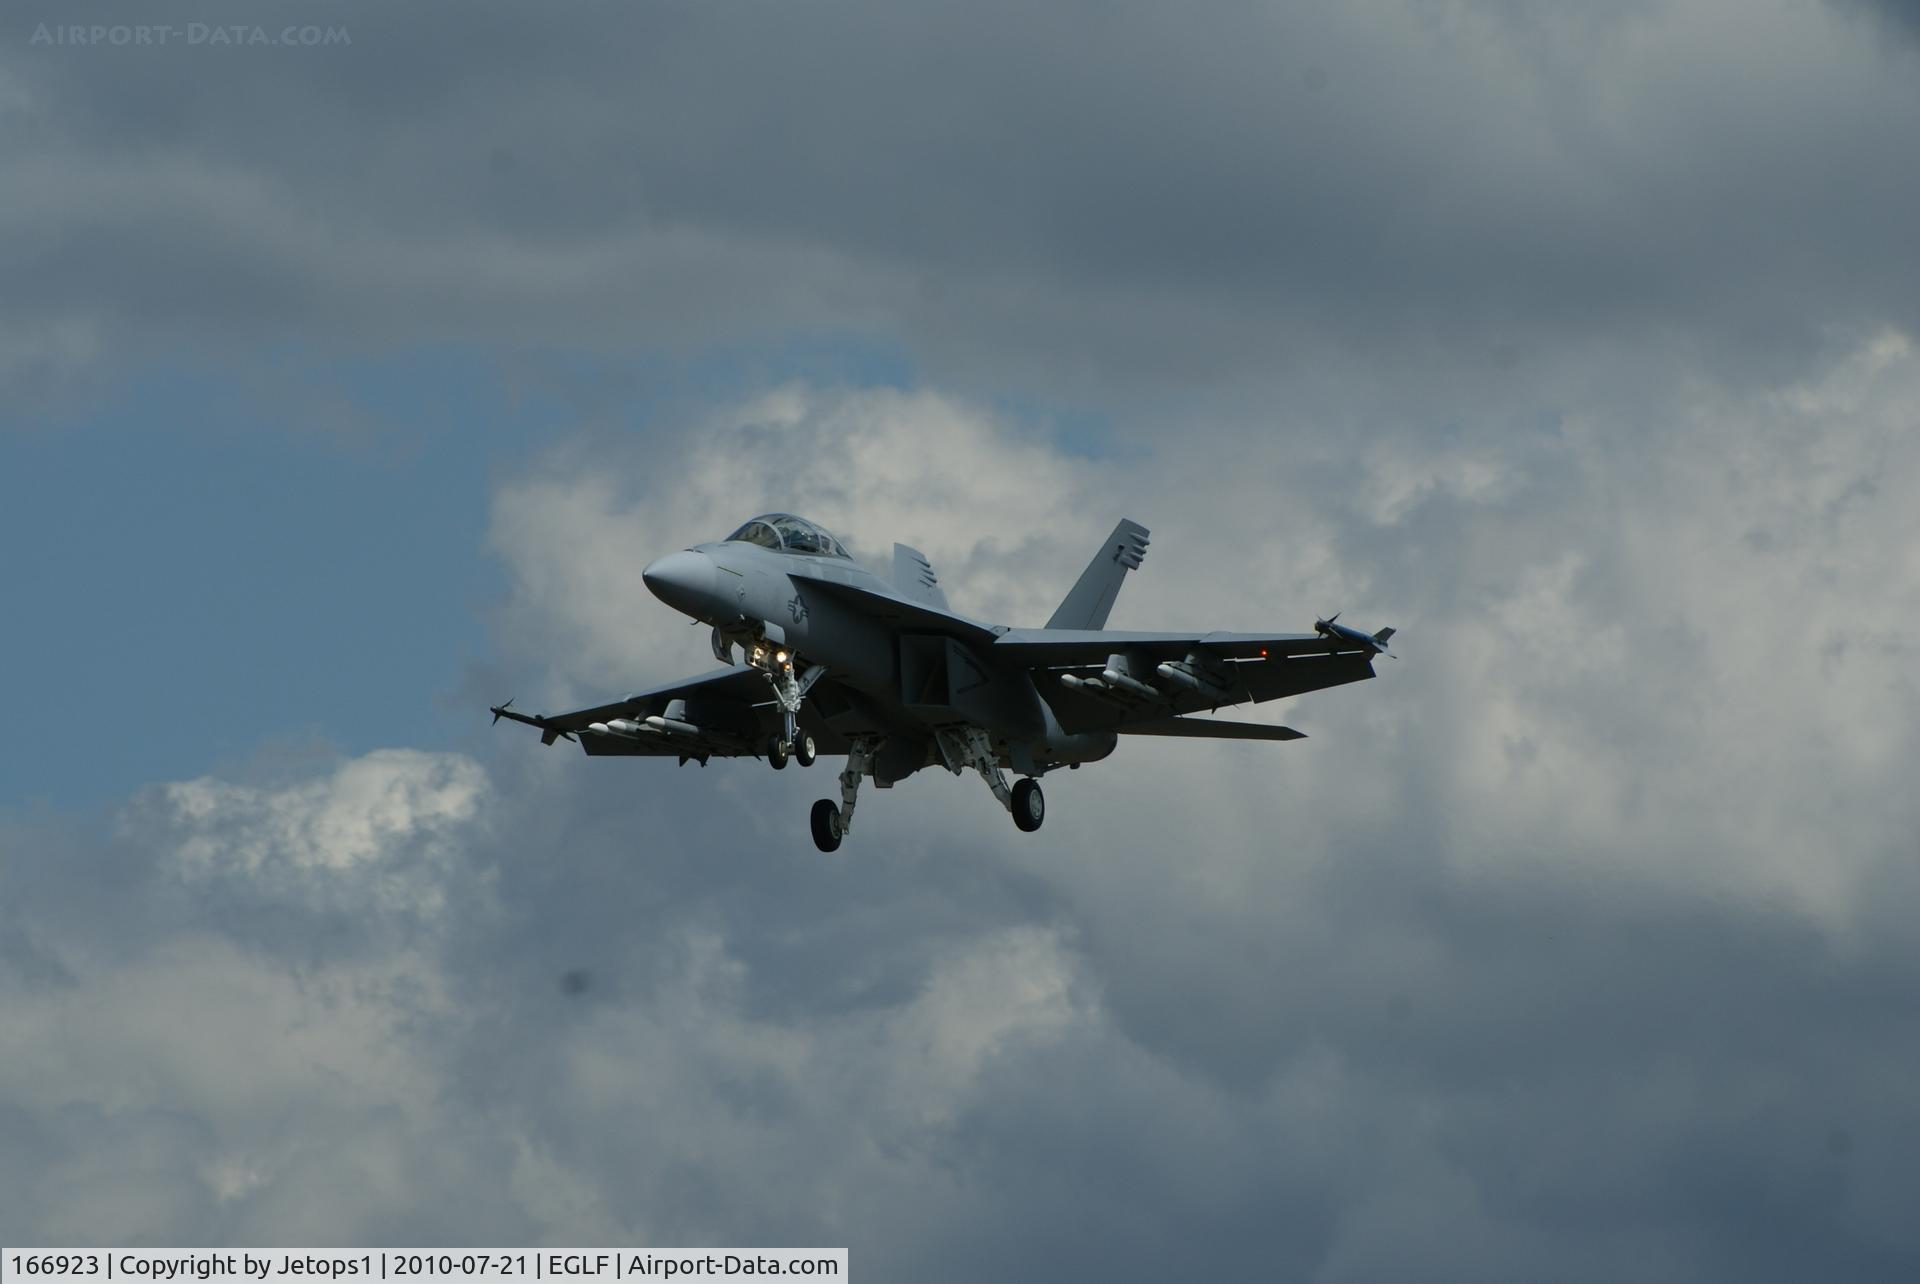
(684, 581)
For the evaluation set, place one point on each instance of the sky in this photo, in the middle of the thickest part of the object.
(345, 388)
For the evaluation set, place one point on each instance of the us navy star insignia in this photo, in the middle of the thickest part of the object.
(798, 608)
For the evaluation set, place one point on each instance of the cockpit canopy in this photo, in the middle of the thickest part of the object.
(786, 533)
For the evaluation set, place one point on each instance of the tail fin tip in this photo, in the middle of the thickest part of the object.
(1091, 599)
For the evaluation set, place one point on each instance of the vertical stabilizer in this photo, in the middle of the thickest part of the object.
(1091, 600)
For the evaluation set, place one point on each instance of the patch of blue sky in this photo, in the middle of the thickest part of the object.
(197, 567)
(292, 546)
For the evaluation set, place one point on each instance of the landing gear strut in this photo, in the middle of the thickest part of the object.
(831, 823)
(963, 747)
(789, 689)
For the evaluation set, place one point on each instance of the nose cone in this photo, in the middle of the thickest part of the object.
(684, 581)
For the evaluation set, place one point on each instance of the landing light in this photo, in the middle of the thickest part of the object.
(780, 657)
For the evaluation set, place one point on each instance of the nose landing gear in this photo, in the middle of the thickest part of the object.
(790, 688)
(801, 749)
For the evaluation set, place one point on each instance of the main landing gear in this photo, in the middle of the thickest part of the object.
(1028, 805)
(963, 747)
(826, 825)
(831, 823)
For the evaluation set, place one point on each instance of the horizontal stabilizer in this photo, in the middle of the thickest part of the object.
(1210, 729)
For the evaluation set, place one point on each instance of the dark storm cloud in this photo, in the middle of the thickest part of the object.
(1093, 190)
(1900, 16)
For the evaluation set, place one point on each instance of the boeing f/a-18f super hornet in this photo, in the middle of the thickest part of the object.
(840, 660)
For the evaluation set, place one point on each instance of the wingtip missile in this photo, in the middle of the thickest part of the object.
(548, 732)
(1373, 643)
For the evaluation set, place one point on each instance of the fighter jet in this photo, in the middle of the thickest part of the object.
(838, 659)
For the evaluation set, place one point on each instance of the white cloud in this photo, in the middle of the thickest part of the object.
(216, 1082)
(238, 1078)
(1619, 803)
(1574, 941)
(379, 831)
(1704, 671)
(1002, 988)
(1400, 474)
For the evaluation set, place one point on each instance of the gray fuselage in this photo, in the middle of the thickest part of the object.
(903, 670)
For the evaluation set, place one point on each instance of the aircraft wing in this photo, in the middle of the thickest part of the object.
(1069, 667)
(1209, 729)
(1066, 648)
(730, 710)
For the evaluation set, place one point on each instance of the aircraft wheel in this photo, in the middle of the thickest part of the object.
(777, 750)
(804, 751)
(826, 825)
(1029, 804)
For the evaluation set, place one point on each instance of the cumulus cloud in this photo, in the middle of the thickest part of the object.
(1544, 954)
(1577, 344)
(1621, 833)
(209, 1081)
(1589, 826)
(338, 826)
